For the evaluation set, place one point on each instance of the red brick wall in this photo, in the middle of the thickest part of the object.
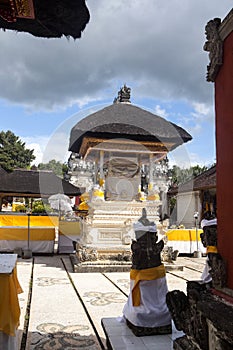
(224, 139)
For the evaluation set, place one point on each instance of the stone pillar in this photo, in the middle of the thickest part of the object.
(151, 170)
(101, 166)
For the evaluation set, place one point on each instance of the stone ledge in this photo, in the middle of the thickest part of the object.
(119, 337)
(111, 266)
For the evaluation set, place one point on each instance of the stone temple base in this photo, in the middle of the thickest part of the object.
(113, 263)
(99, 265)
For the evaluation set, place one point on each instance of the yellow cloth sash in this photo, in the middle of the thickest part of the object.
(144, 275)
(9, 303)
(211, 249)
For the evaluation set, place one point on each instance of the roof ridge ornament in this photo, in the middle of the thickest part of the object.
(123, 95)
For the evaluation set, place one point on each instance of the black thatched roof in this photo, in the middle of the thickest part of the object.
(123, 120)
(52, 18)
(35, 183)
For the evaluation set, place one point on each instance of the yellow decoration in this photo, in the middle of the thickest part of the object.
(22, 221)
(85, 196)
(98, 193)
(70, 228)
(101, 182)
(83, 206)
(150, 186)
(211, 249)
(21, 234)
(153, 197)
(9, 304)
(183, 235)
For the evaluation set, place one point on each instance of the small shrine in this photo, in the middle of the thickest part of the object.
(119, 155)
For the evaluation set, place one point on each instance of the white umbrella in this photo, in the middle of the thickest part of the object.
(60, 202)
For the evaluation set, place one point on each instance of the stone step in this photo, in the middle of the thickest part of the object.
(112, 266)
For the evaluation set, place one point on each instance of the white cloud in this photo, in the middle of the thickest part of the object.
(47, 148)
(140, 43)
(201, 108)
(160, 111)
(37, 144)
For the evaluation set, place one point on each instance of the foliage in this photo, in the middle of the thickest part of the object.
(13, 153)
(40, 207)
(57, 167)
(181, 175)
(20, 208)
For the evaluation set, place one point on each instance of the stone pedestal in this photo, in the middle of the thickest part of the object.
(109, 226)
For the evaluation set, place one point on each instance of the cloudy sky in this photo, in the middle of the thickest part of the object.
(154, 46)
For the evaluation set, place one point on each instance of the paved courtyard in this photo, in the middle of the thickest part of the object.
(61, 309)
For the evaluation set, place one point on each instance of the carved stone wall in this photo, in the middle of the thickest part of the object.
(204, 317)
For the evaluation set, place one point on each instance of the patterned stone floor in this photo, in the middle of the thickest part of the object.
(66, 308)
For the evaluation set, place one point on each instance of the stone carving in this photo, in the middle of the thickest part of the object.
(215, 261)
(168, 254)
(205, 319)
(145, 250)
(85, 254)
(214, 46)
(123, 95)
(209, 236)
(187, 317)
(218, 270)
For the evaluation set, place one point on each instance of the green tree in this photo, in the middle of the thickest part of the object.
(57, 167)
(13, 153)
(181, 175)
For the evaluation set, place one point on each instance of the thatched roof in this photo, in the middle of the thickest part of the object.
(35, 184)
(45, 18)
(124, 120)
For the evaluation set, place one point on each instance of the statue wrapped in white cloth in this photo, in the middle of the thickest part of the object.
(145, 311)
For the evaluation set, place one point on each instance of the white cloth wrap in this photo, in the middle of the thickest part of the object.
(153, 311)
(205, 222)
(206, 276)
(8, 342)
(141, 229)
(138, 226)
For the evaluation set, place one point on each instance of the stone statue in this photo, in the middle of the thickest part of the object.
(145, 250)
(217, 267)
(146, 312)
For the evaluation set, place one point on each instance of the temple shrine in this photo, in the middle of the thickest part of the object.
(119, 155)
